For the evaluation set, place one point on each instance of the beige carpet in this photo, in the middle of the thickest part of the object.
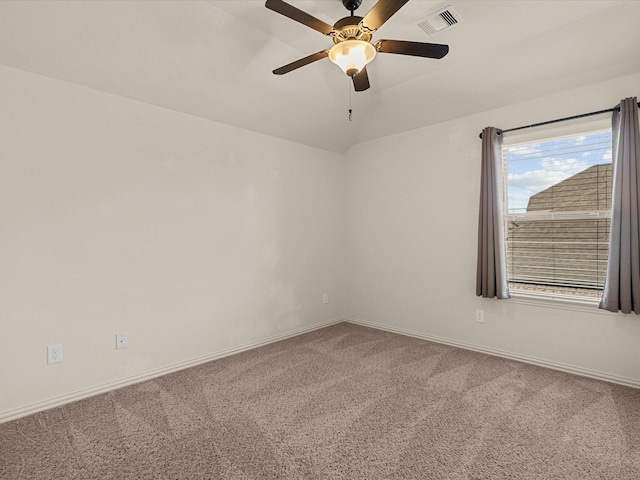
(344, 402)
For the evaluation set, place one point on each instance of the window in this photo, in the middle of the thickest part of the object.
(558, 199)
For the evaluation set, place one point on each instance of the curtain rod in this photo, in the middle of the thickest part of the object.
(582, 115)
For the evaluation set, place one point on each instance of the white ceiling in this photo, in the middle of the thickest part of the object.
(213, 59)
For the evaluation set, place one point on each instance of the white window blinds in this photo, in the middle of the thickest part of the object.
(558, 212)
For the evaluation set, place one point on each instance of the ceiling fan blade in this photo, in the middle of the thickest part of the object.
(361, 81)
(293, 13)
(314, 57)
(380, 13)
(417, 49)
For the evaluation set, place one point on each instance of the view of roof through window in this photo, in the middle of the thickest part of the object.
(534, 167)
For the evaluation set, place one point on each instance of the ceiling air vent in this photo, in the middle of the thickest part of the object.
(445, 18)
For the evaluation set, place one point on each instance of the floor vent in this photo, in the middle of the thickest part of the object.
(445, 18)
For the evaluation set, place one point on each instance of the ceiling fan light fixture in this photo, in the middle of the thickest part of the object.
(352, 55)
(351, 35)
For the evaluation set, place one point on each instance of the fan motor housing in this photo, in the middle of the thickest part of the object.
(351, 5)
(347, 29)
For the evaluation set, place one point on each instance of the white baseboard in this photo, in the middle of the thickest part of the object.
(89, 392)
(123, 382)
(585, 372)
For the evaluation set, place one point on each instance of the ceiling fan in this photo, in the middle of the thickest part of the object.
(351, 35)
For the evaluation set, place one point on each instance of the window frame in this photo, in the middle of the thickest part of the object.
(539, 134)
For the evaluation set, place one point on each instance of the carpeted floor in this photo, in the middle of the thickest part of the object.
(343, 402)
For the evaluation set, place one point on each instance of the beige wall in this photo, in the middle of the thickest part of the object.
(191, 237)
(412, 205)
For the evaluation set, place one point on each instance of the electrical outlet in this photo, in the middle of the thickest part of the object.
(54, 354)
(121, 340)
(480, 316)
(325, 298)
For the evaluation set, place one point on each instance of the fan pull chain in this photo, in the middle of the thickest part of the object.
(350, 109)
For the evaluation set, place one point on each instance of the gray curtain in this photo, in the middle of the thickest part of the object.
(622, 282)
(491, 276)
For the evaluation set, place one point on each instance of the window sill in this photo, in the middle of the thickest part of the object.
(565, 302)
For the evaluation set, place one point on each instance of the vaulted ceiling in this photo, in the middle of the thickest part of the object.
(214, 58)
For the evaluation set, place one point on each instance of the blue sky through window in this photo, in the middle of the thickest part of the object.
(534, 167)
